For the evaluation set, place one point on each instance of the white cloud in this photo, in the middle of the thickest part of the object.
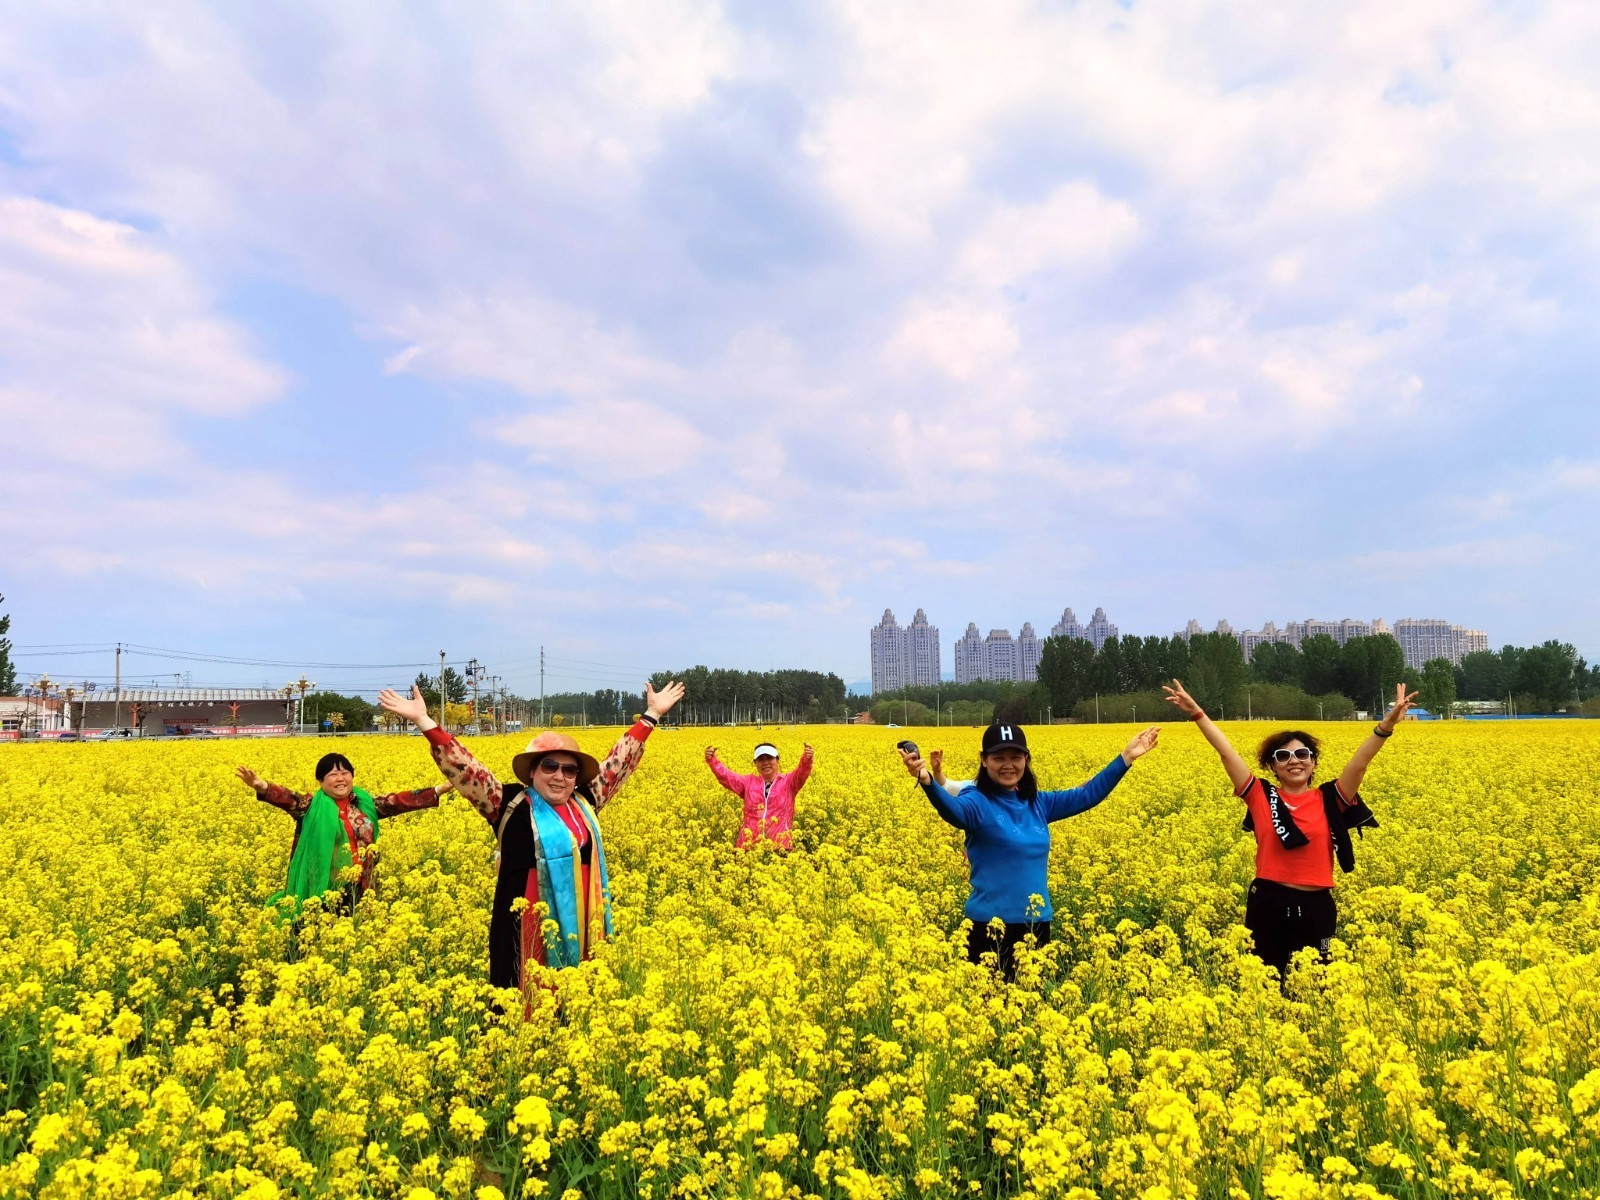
(714, 287)
(105, 336)
(957, 336)
(1074, 227)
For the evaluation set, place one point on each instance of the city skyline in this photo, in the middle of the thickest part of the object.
(1000, 657)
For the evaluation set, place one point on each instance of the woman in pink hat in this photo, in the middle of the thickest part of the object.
(768, 795)
(550, 846)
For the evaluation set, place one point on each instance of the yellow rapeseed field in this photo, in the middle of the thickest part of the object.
(803, 1025)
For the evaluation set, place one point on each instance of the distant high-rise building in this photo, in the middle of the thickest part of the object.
(1068, 626)
(971, 664)
(1096, 631)
(1029, 649)
(1099, 629)
(922, 657)
(904, 657)
(888, 654)
(1428, 638)
(1419, 640)
(1000, 655)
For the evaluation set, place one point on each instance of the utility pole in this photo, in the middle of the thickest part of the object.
(441, 689)
(116, 721)
(473, 671)
(541, 687)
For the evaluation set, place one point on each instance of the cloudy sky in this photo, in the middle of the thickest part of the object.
(674, 332)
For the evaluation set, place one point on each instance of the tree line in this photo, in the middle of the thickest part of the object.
(1318, 678)
(716, 696)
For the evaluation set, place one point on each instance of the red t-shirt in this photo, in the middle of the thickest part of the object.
(1310, 865)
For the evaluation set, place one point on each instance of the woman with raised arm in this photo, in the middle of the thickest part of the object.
(768, 795)
(1007, 822)
(1299, 830)
(333, 827)
(551, 850)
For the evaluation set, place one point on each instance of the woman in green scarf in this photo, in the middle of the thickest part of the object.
(334, 826)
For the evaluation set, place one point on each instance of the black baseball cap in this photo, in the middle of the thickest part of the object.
(1004, 737)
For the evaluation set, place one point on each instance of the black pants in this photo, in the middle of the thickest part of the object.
(1284, 920)
(981, 941)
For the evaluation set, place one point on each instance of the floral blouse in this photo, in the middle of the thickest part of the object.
(390, 804)
(486, 793)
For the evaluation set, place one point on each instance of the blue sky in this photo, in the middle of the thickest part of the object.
(680, 332)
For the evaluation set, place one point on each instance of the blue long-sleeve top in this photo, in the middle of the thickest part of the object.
(1008, 841)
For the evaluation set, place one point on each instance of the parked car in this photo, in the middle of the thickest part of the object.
(109, 734)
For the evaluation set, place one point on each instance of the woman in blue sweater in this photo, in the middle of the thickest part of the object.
(1007, 822)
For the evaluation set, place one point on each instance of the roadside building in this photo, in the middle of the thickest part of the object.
(242, 711)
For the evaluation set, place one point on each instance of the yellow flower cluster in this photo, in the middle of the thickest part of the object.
(787, 1026)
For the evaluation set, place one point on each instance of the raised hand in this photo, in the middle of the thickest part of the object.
(1402, 702)
(659, 704)
(251, 779)
(807, 752)
(1180, 699)
(1142, 744)
(413, 708)
(936, 766)
(914, 764)
(711, 754)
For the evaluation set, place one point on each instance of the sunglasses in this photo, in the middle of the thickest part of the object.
(1283, 755)
(570, 770)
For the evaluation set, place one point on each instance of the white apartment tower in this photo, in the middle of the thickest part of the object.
(922, 652)
(1000, 655)
(1068, 626)
(1428, 638)
(904, 657)
(971, 663)
(888, 654)
(1099, 629)
(1029, 649)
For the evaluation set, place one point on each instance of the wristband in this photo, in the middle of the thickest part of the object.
(1199, 716)
(1377, 731)
(649, 720)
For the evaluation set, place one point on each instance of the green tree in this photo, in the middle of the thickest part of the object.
(353, 712)
(1437, 691)
(1545, 672)
(8, 672)
(1066, 669)
(901, 712)
(1216, 672)
(1277, 662)
(1369, 667)
(1108, 676)
(1481, 676)
(1319, 664)
(1014, 710)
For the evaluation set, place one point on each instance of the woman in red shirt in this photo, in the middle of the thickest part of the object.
(1299, 829)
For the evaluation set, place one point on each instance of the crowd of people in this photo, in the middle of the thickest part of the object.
(551, 850)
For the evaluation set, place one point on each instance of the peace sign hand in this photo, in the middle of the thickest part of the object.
(1181, 700)
(1402, 701)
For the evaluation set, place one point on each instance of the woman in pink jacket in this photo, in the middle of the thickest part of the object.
(768, 795)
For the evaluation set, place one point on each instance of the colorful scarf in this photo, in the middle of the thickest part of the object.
(555, 852)
(322, 848)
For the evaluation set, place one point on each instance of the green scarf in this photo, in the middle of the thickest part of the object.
(322, 850)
